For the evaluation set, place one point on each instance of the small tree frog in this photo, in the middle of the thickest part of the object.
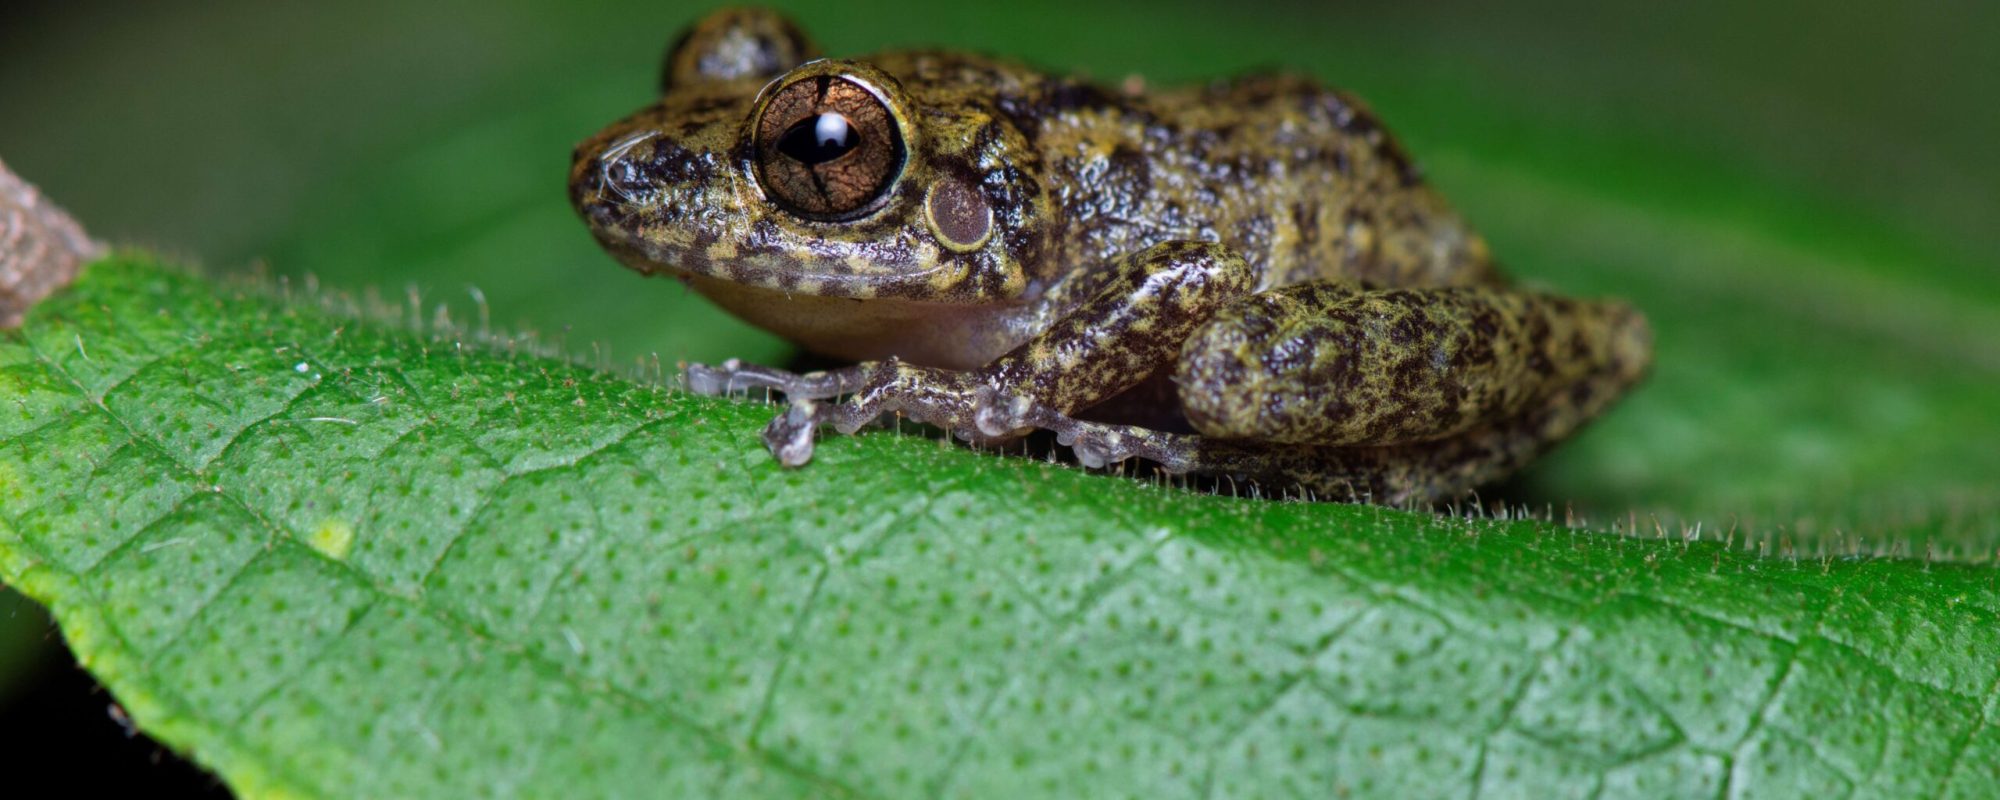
(1248, 277)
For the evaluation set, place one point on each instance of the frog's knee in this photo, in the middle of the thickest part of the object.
(1219, 271)
(1232, 372)
(1631, 339)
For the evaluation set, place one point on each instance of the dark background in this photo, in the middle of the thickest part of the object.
(394, 147)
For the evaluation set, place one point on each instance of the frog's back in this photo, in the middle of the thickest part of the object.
(1302, 180)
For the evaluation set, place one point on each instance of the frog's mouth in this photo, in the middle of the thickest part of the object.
(939, 282)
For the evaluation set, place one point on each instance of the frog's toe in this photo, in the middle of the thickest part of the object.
(790, 435)
(1097, 445)
(1096, 448)
(733, 376)
(999, 415)
(729, 377)
(1095, 452)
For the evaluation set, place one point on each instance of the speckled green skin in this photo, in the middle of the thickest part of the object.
(1248, 278)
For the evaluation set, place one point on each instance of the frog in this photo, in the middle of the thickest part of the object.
(1248, 278)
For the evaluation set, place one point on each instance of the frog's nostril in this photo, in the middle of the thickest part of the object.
(619, 173)
(621, 179)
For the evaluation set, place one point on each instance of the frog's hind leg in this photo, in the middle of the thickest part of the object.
(1392, 396)
(1327, 363)
(1402, 474)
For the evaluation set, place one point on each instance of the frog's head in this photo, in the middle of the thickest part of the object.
(762, 168)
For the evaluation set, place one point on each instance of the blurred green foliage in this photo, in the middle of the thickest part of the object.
(386, 144)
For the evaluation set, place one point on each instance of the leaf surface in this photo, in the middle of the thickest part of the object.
(330, 558)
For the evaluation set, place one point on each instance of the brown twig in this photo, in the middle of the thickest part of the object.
(41, 247)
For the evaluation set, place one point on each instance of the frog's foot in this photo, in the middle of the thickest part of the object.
(958, 402)
(951, 400)
(1097, 444)
(971, 409)
(733, 376)
(1330, 472)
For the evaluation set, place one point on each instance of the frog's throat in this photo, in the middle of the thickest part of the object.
(947, 335)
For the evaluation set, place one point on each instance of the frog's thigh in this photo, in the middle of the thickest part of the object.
(1418, 472)
(1330, 364)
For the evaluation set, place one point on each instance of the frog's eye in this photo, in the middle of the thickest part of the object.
(827, 148)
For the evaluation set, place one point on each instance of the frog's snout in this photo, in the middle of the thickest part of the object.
(647, 180)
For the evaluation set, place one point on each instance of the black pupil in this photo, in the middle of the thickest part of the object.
(818, 139)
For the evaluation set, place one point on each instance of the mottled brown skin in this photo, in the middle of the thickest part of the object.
(1248, 278)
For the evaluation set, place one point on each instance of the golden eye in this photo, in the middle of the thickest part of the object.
(827, 148)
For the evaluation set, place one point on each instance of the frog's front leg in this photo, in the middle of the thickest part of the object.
(1128, 328)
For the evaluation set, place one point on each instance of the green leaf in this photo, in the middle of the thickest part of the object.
(329, 558)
